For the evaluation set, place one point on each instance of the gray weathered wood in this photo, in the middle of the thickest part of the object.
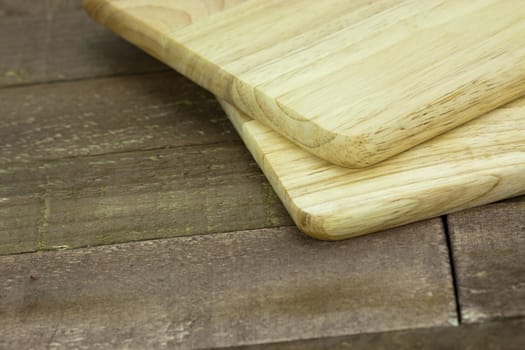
(226, 289)
(121, 197)
(508, 335)
(134, 158)
(64, 47)
(97, 116)
(47, 201)
(488, 245)
(38, 8)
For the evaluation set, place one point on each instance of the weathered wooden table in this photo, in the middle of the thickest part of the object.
(131, 215)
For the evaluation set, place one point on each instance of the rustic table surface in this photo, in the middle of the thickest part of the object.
(131, 215)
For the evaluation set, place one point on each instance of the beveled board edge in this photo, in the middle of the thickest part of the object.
(351, 149)
(473, 181)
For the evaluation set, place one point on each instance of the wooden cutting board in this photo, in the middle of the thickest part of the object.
(354, 82)
(480, 162)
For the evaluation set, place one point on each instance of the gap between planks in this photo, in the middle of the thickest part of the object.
(65, 48)
(263, 281)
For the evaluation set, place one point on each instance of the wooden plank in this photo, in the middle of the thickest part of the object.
(488, 245)
(64, 47)
(51, 121)
(477, 163)
(120, 197)
(317, 71)
(46, 8)
(508, 334)
(226, 289)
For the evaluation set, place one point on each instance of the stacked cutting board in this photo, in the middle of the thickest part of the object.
(364, 115)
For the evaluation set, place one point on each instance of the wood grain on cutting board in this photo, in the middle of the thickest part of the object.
(480, 162)
(354, 82)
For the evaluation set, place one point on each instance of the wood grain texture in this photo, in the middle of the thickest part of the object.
(354, 82)
(98, 116)
(46, 204)
(47, 8)
(132, 196)
(226, 289)
(477, 163)
(488, 245)
(66, 46)
(508, 335)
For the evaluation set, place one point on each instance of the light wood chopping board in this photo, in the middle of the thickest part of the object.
(477, 163)
(354, 82)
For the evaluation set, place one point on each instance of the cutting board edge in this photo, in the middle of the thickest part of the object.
(335, 225)
(366, 149)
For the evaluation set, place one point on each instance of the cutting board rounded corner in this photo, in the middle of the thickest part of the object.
(478, 163)
(348, 149)
(314, 225)
(354, 83)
